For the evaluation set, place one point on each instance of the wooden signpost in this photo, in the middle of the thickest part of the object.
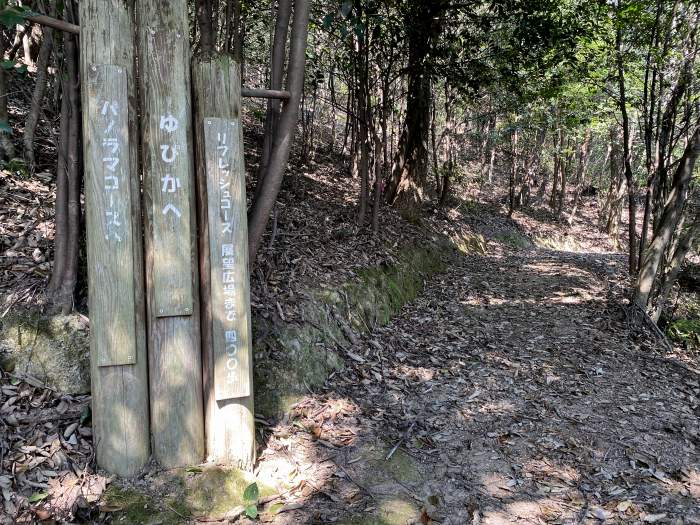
(171, 251)
(223, 243)
(113, 215)
(191, 373)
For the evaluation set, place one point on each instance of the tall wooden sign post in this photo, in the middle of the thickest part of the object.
(223, 250)
(119, 366)
(171, 252)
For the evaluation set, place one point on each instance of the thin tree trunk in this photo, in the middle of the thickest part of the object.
(685, 243)
(567, 161)
(668, 222)
(37, 97)
(362, 65)
(627, 154)
(378, 182)
(584, 154)
(433, 143)
(61, 237)
(7, 149)
(69, 280)
(278, 56)
(263, 204)
(513, 171)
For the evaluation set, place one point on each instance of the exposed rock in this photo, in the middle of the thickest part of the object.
(53, 349)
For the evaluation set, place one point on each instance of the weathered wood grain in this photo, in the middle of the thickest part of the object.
(111, 257)
(167, 155)
(230, 425)
(228, 262)
(171, 252)
(115, 280)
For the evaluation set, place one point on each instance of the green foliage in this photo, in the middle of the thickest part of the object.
(17, 166)
(685, 331)
(251, 495)
(12, 14)
(37, 497)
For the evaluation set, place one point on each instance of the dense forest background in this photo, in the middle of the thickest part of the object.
(544, 100)
(473, 235)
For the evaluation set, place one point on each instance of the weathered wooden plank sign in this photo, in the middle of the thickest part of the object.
(229, 263)
(168, 149)
(172, 278)
(109, 214)
(119, 361)
(223, 261)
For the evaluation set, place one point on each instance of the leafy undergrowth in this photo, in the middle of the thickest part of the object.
(685, 331)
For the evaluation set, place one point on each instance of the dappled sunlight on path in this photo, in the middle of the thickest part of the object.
(516, 391)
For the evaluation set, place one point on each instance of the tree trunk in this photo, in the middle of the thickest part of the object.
(205, 20)
(61, 238)
(37, 97)
(7, 149)
(564, 169)
(74, 171)
(513, 171)
(685, 244)
(263, 204)
(409, 172)
(277, 60)
(64, 276)
(584, 153)
(627, 154)
(668, 222)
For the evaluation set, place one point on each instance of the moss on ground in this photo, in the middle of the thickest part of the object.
(399, 467)
(514, 239)
(389, 511)
(291, 359)
(685, 331)
(184, 495)
(564, 243)
(53, 348)
(216, 490)
(130, 506)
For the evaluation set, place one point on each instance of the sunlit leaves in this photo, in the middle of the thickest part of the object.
(12, 15)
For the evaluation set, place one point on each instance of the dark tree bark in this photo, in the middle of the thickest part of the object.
(69, 181)
(265, 201)
(668, 222)
(364, 116)
(278, 55)
(7, 149)
(205, 20)
(627, 158)
(37, 97)
(409, 173)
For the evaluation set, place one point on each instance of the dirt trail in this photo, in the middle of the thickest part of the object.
(518, 392)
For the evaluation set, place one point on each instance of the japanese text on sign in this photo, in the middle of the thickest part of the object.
(227, 238)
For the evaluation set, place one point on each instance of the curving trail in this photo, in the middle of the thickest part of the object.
(519, 392)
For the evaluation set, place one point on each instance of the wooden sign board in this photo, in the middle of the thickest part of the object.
(228, 245)
(170, 179)
(108, 209)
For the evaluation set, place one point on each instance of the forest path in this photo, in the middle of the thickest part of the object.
(518, 394)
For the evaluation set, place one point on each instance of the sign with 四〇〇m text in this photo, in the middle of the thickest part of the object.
(230, 301)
